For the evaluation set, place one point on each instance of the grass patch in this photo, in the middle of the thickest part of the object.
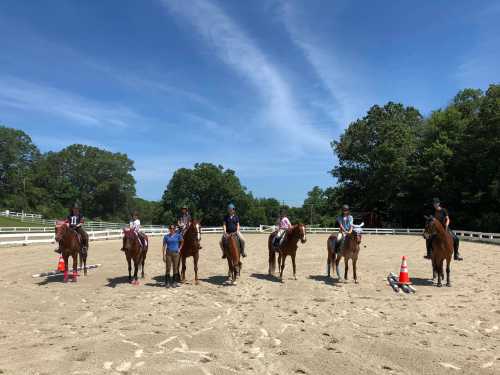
(12, 222)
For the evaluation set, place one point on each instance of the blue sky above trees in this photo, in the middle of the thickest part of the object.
(260, 87)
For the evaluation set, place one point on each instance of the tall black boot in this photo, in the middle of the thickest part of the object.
(167, 281)
(456, 254)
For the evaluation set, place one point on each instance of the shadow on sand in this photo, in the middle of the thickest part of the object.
(325, 279)
(113, 282)
(216, 280)
(265, 276)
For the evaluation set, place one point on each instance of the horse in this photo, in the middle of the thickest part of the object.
(134, 251)
(70, 244)
(288, 247)
(232, 250)
(350, 250)
(442, 248)
(190, 248)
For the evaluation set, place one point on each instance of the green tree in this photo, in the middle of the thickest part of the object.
(18, 155)
(375, 155)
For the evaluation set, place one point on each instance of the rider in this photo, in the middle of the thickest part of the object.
(76, 221)
(184, 221)
(345, 222)
(283, 225)
(441, 214)
(135, 225)
(172, 245)
(232, 225)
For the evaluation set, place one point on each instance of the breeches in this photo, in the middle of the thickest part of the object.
(171, 262)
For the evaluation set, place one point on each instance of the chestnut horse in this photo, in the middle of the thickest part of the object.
(70, 245)
(288, 247)
(232, 250)
(442, 248)
(134, 251)
(190, 248)
(350, 250)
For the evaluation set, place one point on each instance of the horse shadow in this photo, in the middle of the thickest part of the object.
(215, 280)
(324, 279)
(418, 281)
(266, 276)
(114, 281)
(159, 281)
(52, 279)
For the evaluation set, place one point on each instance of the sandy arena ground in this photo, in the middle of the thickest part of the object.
(103, 325)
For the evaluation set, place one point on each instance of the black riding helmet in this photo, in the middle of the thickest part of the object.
(345, 207)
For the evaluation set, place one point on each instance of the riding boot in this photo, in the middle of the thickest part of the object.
(456, 244)
(168, 281)
(242, 252)
(58, 250)
(199, 245)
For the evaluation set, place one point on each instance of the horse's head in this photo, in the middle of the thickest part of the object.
(195, 224)
(358, 232)
(302, 232)
(60, 229)
(430, 227)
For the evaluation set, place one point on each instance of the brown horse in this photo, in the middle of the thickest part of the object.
(350, 250)
(232, 250)
(70, 245)
(442, 248)
(288, 247)
(134, 251)
(190, 248)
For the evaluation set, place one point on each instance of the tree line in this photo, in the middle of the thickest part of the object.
(391, 163)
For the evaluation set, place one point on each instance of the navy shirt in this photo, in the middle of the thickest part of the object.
(441, 215)
(231, 223)
(74, 220)
(173, 242)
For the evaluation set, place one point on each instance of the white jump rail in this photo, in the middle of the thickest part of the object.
(26, 238)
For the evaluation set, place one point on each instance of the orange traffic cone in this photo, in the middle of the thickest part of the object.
(403, 273)
(60, 265)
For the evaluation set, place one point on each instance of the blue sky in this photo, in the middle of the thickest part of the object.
(261, 87)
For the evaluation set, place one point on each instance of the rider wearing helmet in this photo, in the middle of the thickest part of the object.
(283, 225)
(135, 225)
(441, 214)
(76, 220)
(184, 221)
(232, 225)
(345, 222)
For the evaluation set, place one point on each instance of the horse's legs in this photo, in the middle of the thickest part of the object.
(282, 267)
(183, 271)
(346, 263)
(84, 260)
(195, 263)
(75, 266)
(328, 263)
(439, 269)
(66, 260)
(129, 269)
(337, 266)
(143, 261)
(294, 268)
(136, 270)
(354, 261)
(448, 281)
(434, 270)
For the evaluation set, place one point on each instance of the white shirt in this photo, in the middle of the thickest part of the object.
(135, 225)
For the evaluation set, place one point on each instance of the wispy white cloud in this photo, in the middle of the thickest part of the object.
(235, 48)
(33, 97)
(349, 96)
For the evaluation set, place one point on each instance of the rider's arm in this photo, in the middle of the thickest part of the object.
(238, 227)
(224, 227)
(181, 243)
(446, 222)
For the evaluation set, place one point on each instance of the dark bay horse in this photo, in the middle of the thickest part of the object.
(232, 249)
(350, 250)
(288, 247)
(70, 245)
(134, 252)
(190, 248)
(442, 248)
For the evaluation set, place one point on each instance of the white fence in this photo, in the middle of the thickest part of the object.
(47, 236)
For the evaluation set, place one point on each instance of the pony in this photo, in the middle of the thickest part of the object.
(190, 248)
(288, 247)
(232, 250)
(442, 248)
(134, 251)
(71, 245)
(350, 250)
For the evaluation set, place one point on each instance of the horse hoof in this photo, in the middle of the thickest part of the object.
(448, 285)
(439, 285)
(355, 281)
